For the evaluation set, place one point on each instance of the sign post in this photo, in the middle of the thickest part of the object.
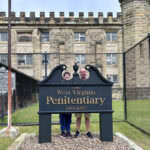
(93, 95)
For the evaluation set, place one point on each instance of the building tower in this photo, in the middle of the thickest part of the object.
(136, 21)
(136, 26)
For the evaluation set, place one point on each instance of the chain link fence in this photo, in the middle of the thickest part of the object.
(129, 71)
(24, 90)
(4, 103)
(137, 85)
(39, 65)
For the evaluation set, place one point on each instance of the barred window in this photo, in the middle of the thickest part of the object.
(4, 58)
(113, 78)
(3, 36)
(79, 36)
(111, 36)
(24, 37)
(80, 59)
(44, 37)
(25, 59)
(111, 59)
(43, 59)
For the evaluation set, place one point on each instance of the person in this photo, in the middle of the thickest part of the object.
(65, 119)
(83, 75)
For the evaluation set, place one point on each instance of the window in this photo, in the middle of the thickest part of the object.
(80, 59)
(44, 37)
(79, 36)
(113, 78)
(3, 36)
(25, 59)
(4, 59)
(43, 59)
(24, 37)
(111, 36)
(111, 59)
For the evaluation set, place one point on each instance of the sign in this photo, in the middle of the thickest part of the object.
(74, 99)
(58, 95)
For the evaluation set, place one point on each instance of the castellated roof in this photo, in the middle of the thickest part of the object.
(32, 19)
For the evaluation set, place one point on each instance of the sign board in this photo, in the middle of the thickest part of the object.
(58, 95)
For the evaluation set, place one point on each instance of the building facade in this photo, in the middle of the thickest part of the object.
(97, 41)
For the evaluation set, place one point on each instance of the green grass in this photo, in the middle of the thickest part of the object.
(135, 135)
(138, 113)
(5, 142)
(30, 115)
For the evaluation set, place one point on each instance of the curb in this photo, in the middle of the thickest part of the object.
(131, 143)
(16, 144)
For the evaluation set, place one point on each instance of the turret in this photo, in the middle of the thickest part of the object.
(135, 21)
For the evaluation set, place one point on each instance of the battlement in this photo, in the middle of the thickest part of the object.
(32, 19)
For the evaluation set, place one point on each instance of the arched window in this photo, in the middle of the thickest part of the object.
(24, 37)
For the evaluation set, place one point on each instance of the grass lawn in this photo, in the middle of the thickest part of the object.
(141, 114)
(30, 115)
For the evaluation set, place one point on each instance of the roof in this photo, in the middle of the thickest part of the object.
(18, 72)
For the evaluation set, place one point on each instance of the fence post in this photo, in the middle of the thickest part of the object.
(149, 42)
(2, 107)
(14, 100)
(124, 87)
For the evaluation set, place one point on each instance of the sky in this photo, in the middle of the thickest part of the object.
(66, 6)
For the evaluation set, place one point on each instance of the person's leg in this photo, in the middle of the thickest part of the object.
(68, 122)
(62, 124)
(87, 121)
(78, 124)
(87, 124)
(78, 121)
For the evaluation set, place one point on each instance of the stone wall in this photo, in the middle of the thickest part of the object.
(138, 70)
(141, 93)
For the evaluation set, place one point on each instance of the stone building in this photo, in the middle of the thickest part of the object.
(86, 40)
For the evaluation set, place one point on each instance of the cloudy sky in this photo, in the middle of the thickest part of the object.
(66, 6)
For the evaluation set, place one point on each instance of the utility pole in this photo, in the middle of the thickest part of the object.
(9, 131)
(9, 64)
